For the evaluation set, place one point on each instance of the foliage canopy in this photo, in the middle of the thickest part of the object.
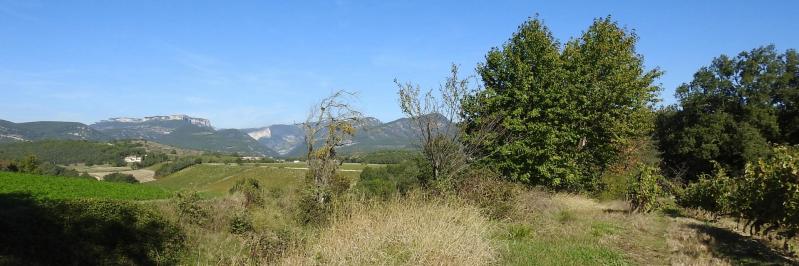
(569, 111)
(730, 113)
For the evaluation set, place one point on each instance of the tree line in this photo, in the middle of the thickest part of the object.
(65, 152)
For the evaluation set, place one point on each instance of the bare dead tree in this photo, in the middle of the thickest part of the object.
(437, 120)
(329, 125)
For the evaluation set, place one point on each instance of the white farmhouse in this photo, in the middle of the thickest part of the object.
(133, 159)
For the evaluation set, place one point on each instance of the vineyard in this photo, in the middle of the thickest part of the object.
(54, 187)
(764, 200)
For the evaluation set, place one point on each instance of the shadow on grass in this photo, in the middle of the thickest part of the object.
(739, 249)
(83, 232)
(616, 211)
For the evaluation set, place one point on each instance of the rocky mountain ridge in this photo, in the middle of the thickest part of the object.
(183, 131)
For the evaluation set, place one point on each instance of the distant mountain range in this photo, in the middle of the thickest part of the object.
(197, 133)
(371, 134)
(182, 131)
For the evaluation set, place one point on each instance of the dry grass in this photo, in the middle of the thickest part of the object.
(403, 232)
(567, 229)
(536, 228)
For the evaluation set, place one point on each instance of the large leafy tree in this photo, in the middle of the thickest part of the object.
(567, 112)
(730, 113)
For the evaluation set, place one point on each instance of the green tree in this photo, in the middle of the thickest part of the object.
(730, 113)
(567, 112)
(29, 164)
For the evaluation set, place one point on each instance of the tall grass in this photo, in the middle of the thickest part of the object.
(409, 231)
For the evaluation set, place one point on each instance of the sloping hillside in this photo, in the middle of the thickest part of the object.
(31, 131)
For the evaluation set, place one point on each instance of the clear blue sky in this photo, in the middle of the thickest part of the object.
(248, 64)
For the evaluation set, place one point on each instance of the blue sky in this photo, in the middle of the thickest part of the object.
(249, 64)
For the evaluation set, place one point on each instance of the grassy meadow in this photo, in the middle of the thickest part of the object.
(528, 226)
(217, 179)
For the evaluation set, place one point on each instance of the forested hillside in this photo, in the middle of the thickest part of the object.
(31, 131)
(71, 151)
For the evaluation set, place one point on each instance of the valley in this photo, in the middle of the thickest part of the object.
(399, 133)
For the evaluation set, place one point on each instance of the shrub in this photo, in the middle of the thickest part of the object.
(384, 182)
(240, 223)
(269, 246)
(485, 189)
(309, 210)
(251, 189)
(377, 182)
(189, 209)
(339, 183)
(710, 192)
(644, 190)
(120, 177)
(29, 164)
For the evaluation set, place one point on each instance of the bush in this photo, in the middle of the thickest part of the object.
(486, 190)
(339, 184)
(251, 189)
(384, 182)
(377, 182)
(240, 223)
(709, 193)
(120, 177)
(189, 209)
(644, 190)
(310, 211)
(269, 246)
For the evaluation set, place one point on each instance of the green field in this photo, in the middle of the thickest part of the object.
(217, 179)
(54, 187)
